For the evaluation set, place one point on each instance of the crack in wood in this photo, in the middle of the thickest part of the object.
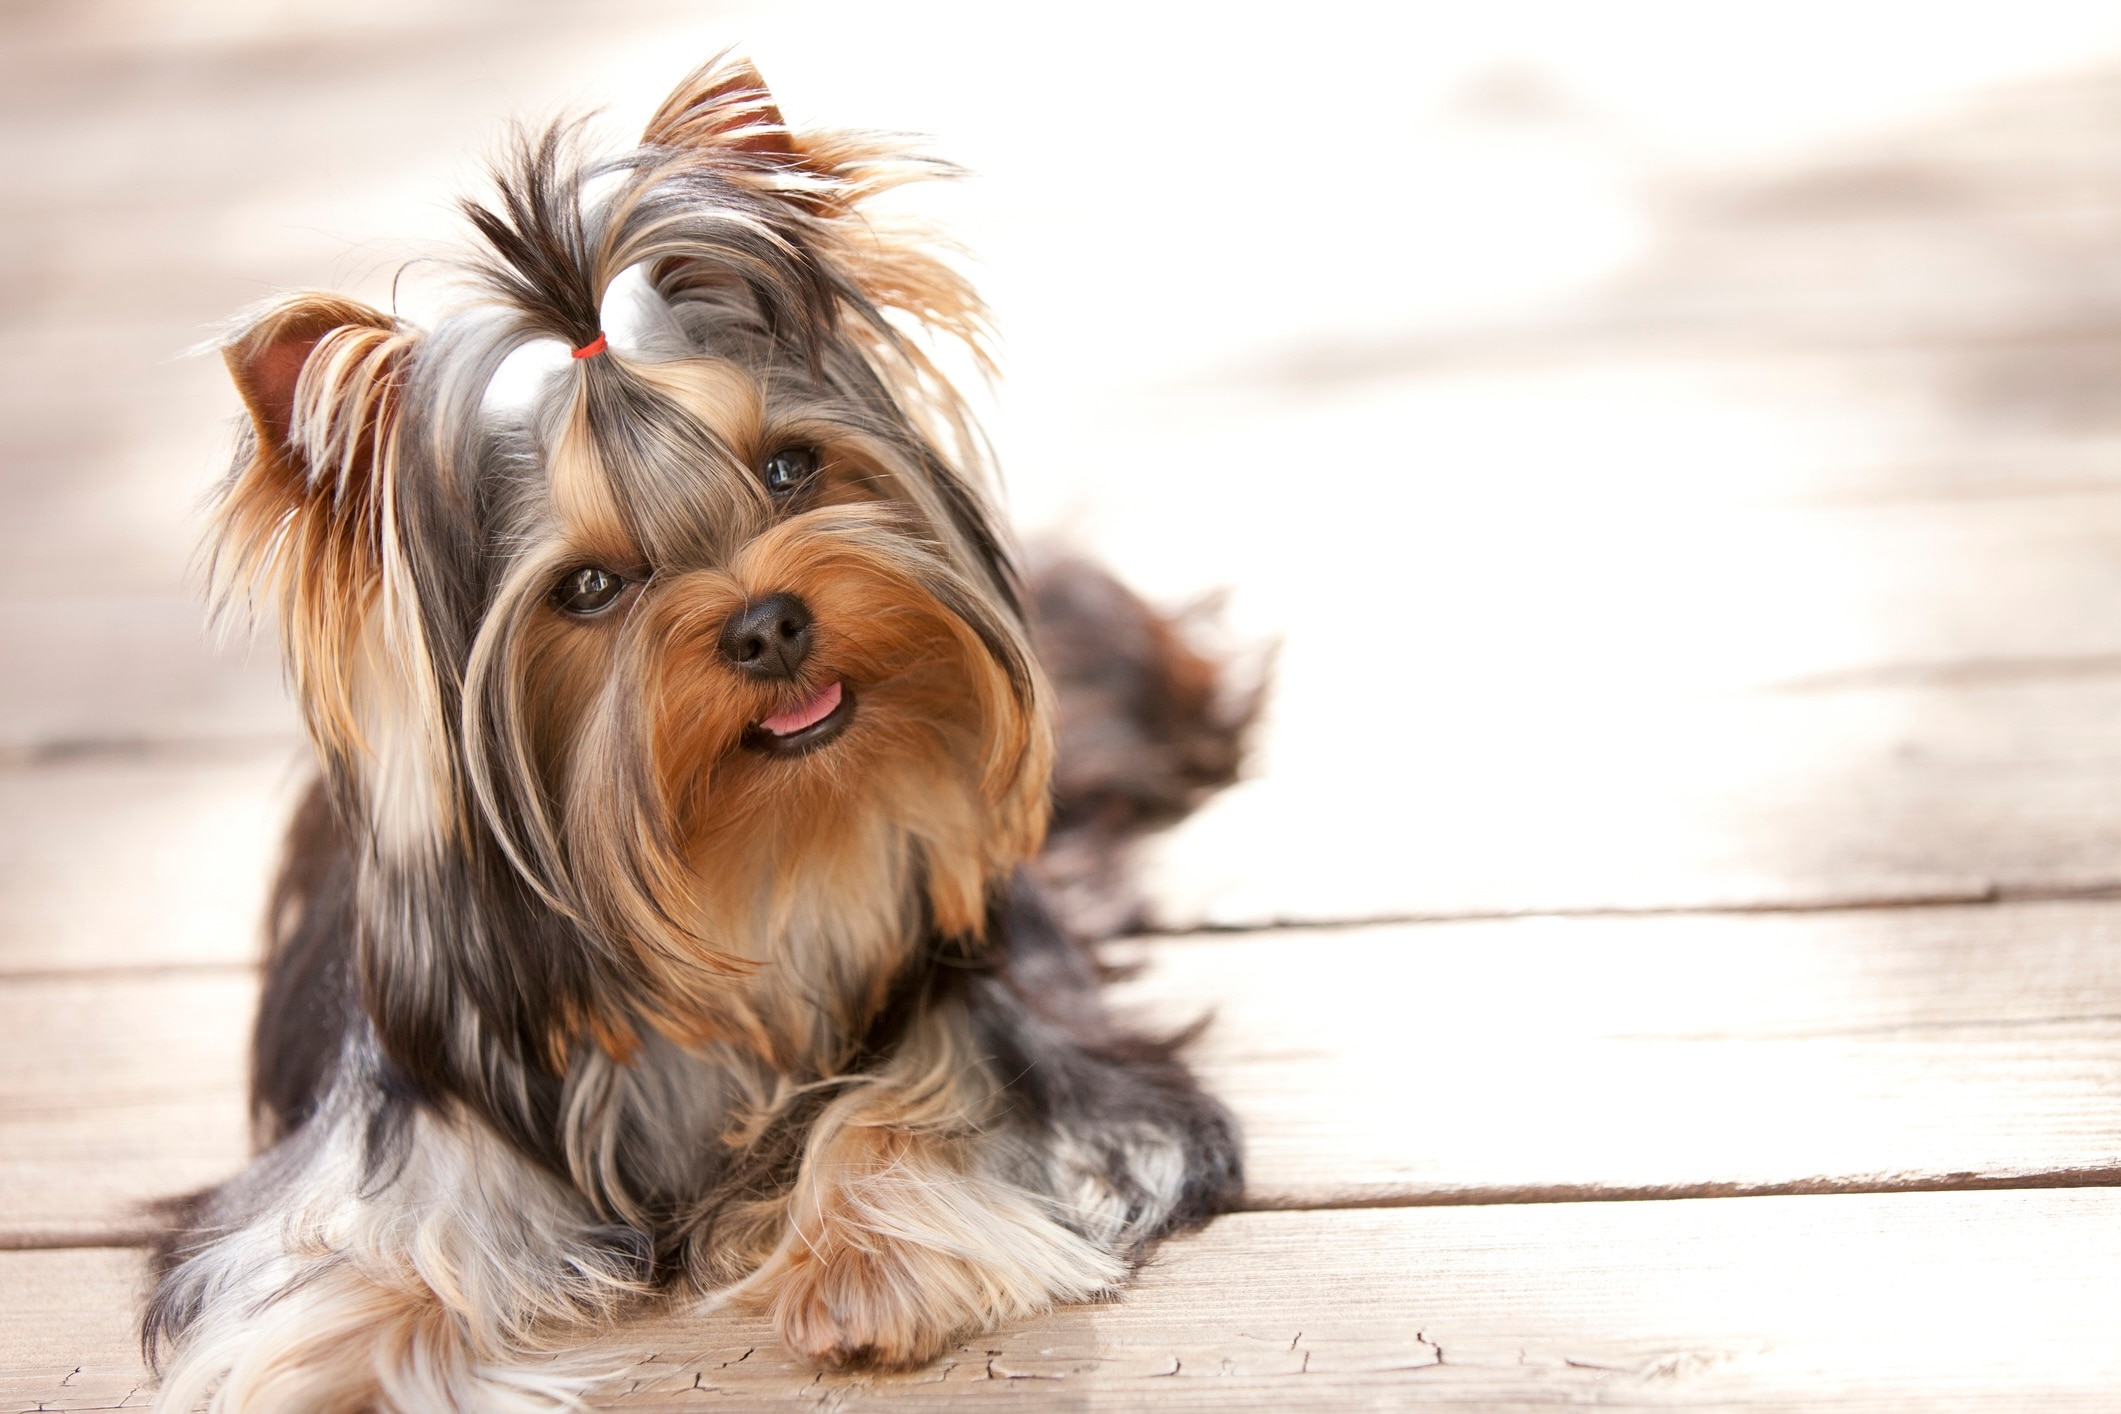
(1972, 672)
(1000, 1374)
(1942, 1026)
(1982, 894)
(67, 751)
(120, 1236)
(1957, 1181)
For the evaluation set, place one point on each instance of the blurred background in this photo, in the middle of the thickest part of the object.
(1675, 447)
(1670, 443)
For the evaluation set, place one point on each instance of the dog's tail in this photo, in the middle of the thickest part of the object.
(1151, 724)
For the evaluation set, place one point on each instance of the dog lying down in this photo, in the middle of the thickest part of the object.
(671, 916)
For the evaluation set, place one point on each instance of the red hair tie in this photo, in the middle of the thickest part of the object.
(591, 349)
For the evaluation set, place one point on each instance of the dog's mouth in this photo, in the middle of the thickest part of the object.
(806, 726)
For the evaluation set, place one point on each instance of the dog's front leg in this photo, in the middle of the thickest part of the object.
(909, 1224)
(415, 1266)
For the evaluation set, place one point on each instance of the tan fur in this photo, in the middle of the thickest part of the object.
(721, 106)
(735, 938)
(698, 875)
(306, 522)
(898, 1236)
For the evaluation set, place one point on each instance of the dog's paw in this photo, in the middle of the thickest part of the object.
(893, 1249)
(892, 1309)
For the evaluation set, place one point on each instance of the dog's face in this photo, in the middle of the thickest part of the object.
(712, 641)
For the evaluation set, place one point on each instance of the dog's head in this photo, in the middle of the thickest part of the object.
(709, 641)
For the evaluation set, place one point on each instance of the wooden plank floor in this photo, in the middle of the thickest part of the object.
(1863, 1302)
(1668, 952)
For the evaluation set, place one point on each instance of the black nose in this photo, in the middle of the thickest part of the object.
(769, 638)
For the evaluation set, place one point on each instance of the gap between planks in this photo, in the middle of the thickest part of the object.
(120, 1236)
(1813, 1067)
(1995, 894)
(1983, 895)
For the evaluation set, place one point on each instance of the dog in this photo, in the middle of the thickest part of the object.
(670, 916)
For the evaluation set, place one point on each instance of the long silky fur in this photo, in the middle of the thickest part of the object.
(571, 1001)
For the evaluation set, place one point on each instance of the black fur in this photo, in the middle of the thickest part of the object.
(309, 1004)
(1149, 728)
(1033, 989)
(453, 978)
(1075, 1072)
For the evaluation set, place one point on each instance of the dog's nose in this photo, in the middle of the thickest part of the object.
(769, 638)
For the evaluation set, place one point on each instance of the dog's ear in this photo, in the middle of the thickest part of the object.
(723, 104)
(267, 354)
(724, 110)
(302, 516)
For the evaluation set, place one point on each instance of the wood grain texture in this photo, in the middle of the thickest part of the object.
(72, 1339)
(124, 671)
(2000, 1301)
(1515, 1060)
(1944, 787)
(115, 1092)
(140, 861)
(1552, 1058)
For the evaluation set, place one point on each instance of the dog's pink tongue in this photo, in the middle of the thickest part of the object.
(809, 714)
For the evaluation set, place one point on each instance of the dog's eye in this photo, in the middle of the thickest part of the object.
(786, 470)
(587, 591)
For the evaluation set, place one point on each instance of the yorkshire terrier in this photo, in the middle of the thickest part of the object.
(670, 914)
